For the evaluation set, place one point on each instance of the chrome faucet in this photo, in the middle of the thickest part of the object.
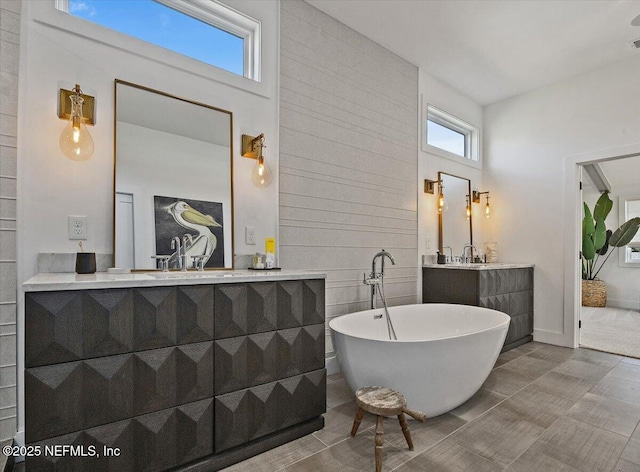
(382, 254)
(375, 277)
(198, 261)
(186, 238)
(464, 253)
(450, 252)
(175, 245)
(376, 280)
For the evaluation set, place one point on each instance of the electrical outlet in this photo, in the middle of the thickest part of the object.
(77, 227)
(250, 235)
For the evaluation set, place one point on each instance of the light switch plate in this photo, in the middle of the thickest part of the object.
(77, 227)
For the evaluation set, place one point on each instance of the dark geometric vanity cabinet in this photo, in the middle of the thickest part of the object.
(204, 375)
(509, 290)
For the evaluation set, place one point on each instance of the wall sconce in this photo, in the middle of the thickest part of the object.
(429, 187)
(252, 148)
(75, 141)
(468, 208)
(476, 199)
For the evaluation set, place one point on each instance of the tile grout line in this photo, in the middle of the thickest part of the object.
(538, 439)
(570, 418)
(479, 416)
(499, 403)
(507, 397)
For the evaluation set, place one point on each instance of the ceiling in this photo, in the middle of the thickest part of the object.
(493, 49)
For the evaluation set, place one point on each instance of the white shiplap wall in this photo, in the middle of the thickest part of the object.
(348, 158)
(9, 57)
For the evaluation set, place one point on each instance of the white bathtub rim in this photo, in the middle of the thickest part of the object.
(502, 325)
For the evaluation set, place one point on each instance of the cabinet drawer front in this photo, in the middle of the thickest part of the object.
(313, 299)
(248, 361)
(255, 412)
(251, 308)
(77, 395)
(520, 326)
(53, 325)
(75, 325)
(194, 320)
(149, 443)
(53, 400)
(496, 281)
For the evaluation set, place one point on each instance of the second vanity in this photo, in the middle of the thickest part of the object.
(175, 372)
(503, 287)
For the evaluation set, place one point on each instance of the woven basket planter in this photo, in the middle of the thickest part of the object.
(594, 293)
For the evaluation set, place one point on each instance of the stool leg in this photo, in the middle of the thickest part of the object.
(356, 422)
(379, 442)
(405, 430)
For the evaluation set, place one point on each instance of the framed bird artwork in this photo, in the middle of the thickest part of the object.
(199, 226)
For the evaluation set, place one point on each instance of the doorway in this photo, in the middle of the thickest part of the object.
(610, 308)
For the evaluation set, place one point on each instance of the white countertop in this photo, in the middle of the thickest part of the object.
(71, 281)
(487, 266)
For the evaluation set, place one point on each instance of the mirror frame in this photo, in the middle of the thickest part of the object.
(115, 165)
(440, 222)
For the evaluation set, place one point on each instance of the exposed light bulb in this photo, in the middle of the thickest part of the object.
(442, 203)
(487, 209)
(261, 174)
(75, 141)
(468, 211)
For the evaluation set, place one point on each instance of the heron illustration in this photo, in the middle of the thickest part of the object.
(188, 217)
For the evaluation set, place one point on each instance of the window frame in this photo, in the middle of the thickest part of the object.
(623, 252)
(470, 132)
(216, 14)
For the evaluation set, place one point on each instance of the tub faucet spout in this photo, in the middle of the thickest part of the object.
(376, 278)
(381, 255)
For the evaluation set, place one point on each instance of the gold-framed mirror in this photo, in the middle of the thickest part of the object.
(173, 179)
(455, 229)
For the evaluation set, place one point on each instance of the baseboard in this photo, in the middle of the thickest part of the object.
(624, 304)
(551, 337)
(332, 366)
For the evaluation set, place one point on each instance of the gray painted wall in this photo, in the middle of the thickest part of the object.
(9, 57)
(348, 158)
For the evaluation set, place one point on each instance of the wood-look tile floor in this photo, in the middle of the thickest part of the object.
(543, 409)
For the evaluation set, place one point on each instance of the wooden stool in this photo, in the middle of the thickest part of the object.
(382, 401)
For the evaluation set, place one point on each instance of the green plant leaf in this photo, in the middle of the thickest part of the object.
(588, 250)
(599, 235)
(603, 250)
(625, 233)
(588, 225)
(603, 206)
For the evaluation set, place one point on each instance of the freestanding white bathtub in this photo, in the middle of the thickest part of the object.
(443, 354)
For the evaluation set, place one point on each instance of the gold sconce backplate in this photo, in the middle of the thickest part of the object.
(250, 146)
(430, 186)
(88, 107)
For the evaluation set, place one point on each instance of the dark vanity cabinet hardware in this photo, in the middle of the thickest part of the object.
(509, 290)
(173, 376)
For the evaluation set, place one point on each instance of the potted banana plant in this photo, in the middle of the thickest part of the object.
(596, 242)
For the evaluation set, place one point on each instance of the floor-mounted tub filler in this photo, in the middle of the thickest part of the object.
(442, 356)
